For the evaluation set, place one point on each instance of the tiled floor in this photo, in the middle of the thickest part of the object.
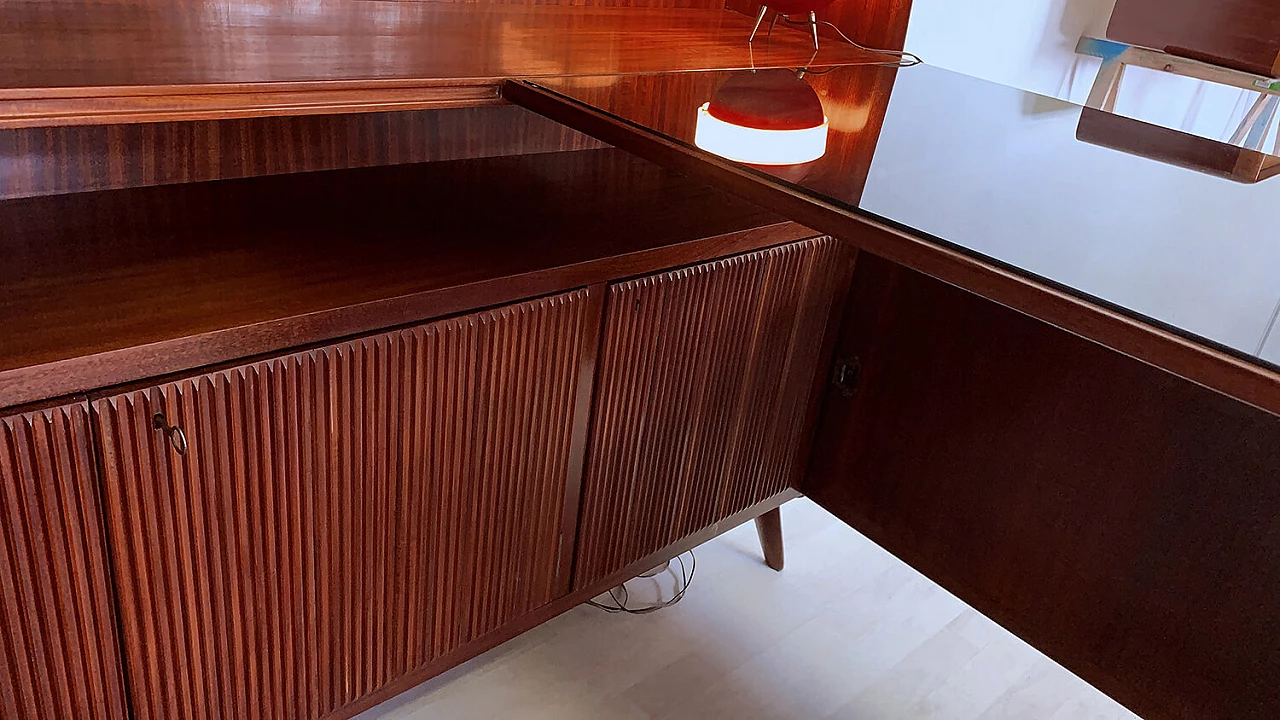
(845, 631)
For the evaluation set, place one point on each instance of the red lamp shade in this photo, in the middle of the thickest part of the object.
(766, 117)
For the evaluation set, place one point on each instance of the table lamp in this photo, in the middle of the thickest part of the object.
(763, 117)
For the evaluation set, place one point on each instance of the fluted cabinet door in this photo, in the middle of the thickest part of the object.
(705, 381)
(341, 516)
(59, 658)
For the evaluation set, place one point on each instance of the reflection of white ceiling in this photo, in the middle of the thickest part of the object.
(1027, 44)
(991, 169)
(1271, 352)
(1030, 44)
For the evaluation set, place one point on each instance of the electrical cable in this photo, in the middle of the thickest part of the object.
(621, 606)
(905, 59)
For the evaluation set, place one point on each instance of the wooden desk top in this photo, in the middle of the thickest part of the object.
(988, 188)
(71, 62)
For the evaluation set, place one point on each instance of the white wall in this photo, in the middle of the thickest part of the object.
(1027, 44)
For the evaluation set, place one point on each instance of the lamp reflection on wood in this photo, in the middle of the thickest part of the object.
(767, 117)
(790, 7)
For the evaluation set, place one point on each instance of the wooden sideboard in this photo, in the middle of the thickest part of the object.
(318, 379)
(306, 532)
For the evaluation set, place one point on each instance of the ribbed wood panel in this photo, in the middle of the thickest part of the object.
(342, 516)
(705, 379)
(59, 658)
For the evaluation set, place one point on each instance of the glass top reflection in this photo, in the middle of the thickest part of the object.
(1019, 178)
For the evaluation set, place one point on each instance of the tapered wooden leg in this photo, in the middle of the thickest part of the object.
(769, 527)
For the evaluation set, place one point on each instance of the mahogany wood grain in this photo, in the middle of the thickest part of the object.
(1217, 368)
(59, 658)
(72, 62)
(588, 361)
(1119, 518)
(704, 384)
(49, 161)
(343, 516)
(556, 607)
(769, 528)
(704, 4)
(1243, 34)
(162, 280)
(873, 23)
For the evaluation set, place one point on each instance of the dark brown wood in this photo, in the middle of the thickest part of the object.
(588, 360)
(48, 161)
(1215, 368)
(873, 23)
(1175, 147)
(1243, 34)
(769, 528)
(71, 62)
(162, 280)
(1117, 517)
(556, 607)
(705, 378)
(59, 658)
(341, 516)
(673, 4)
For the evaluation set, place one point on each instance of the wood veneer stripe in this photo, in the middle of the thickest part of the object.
(395, 498)
(58, 653)
(692, 421)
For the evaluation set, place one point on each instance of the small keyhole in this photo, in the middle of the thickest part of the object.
(846, 375)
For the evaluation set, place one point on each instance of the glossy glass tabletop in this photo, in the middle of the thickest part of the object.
(1001, 174)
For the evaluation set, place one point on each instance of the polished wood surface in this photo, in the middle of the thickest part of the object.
(769, 528)
(163, 280)
(874, 23)
(50, 161)
(1219, 369)
(1242, 34)
(854, 103)
(1214, 157)
(343, 516)
(59, 658)
(703, 388)
(152, 60)
(1117, 517)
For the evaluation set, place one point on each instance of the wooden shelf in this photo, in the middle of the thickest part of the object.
(110, 287)
(157, 60)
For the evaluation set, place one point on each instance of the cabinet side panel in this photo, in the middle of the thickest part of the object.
(59, 658)
(704, 383)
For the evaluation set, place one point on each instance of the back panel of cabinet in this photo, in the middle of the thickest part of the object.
(703, 392)
(342, 516)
